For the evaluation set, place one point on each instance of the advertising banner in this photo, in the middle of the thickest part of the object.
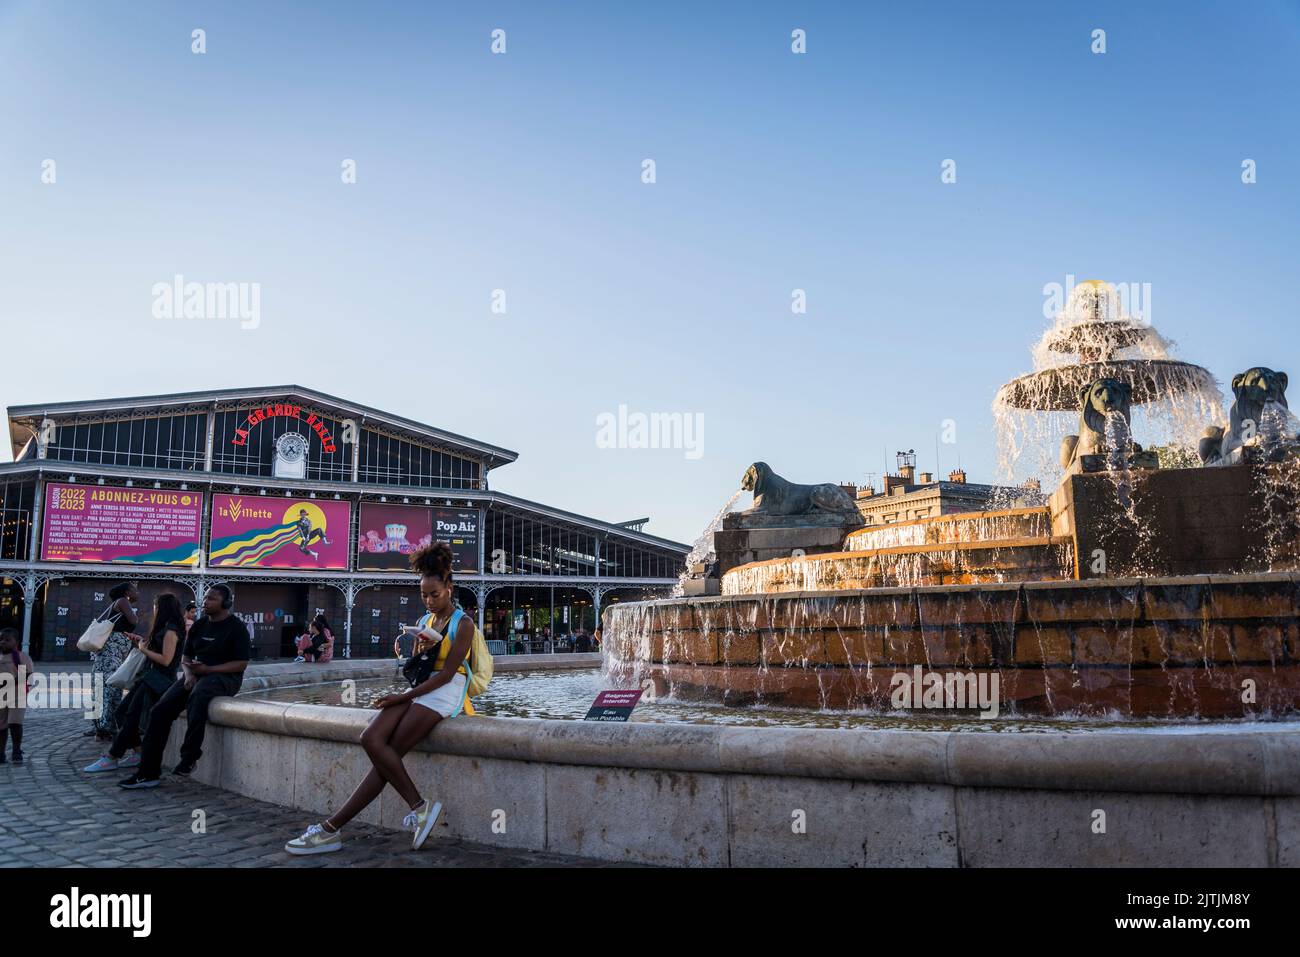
(99, 523)
(459, 528)
(388, 534)
(254, 531)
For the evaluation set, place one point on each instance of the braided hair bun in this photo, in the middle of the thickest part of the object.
(433, 561)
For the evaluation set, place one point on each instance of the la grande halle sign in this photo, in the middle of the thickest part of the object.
(289, 412)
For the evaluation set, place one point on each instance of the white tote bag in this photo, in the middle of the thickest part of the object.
(129, 670)
(96, 635)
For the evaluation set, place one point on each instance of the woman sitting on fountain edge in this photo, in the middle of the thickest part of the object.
(406, 719)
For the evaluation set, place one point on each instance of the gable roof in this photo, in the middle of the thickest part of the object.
(24, 419)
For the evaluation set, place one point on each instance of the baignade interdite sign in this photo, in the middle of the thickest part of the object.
(100, 523)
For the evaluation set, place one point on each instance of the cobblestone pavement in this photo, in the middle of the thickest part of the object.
(54, 815)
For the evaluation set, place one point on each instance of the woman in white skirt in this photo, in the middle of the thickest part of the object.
(439, 676)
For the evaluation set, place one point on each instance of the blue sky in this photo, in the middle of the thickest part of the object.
(522, 172)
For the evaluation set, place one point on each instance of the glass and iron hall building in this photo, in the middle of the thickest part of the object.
(304, 504)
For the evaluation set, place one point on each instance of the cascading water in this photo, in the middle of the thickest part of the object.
(702, 550)
(1278, 484)
(1092, 339)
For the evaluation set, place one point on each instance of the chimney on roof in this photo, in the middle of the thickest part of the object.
(957, 476)
(850, 488)
(906, 465)
(926, 478)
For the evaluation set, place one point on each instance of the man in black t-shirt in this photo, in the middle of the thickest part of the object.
(213, 662)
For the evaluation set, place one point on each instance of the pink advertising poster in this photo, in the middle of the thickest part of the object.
(254, 531)
(100, 523)
(387, 535)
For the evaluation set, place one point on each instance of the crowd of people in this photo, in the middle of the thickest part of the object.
(193, 656)
(189, 661)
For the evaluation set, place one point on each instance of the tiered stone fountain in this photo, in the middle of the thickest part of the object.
(1138, 590)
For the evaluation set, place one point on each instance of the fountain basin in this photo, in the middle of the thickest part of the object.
(1205, 646)
(724, 796)
(1056, 389)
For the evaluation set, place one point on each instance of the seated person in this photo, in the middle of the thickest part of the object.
(318, 644)
(215, 655)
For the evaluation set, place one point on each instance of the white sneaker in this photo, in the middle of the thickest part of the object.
(316, 840)
(102, 763)
(298, 659)
(421, 822)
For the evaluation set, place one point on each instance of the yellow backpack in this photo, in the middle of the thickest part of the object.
(479, 659)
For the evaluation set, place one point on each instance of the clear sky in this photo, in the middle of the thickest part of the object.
(522, 171)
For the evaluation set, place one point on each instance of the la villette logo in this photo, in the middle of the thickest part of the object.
(235, 510)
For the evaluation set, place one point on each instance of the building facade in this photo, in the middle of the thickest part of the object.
(907, 497)
(304, 504)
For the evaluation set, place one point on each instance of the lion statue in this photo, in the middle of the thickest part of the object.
(774, 495)
(1251, 422)
(1105, 402)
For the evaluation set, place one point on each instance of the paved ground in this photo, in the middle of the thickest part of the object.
(54, 815)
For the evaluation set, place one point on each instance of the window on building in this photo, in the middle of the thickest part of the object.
(391, 460)
(166, 442)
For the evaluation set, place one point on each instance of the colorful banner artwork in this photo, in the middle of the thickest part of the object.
(388, 534)
(100, 523)
(253, 531)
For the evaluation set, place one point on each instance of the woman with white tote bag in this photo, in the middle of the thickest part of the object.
(104, 662)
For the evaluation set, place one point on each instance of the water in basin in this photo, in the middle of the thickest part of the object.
(566, 695)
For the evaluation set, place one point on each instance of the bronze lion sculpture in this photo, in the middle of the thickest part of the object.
(1104, 403)
(1249, 420)
(774, 495)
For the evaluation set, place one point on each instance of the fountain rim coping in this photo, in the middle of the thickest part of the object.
(1263, 762)
(948, 516)
(910, 550)
(1160, 581)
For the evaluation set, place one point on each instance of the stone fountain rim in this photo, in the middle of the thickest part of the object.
(1163, 581)
(1257, 761)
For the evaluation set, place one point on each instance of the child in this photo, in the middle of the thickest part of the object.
(404, 720)
(16, 663)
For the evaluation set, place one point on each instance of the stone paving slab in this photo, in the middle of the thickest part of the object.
(55, 815)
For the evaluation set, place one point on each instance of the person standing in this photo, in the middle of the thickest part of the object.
(124, 597)
(163, 649)
(215, 656)
(16, 663)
